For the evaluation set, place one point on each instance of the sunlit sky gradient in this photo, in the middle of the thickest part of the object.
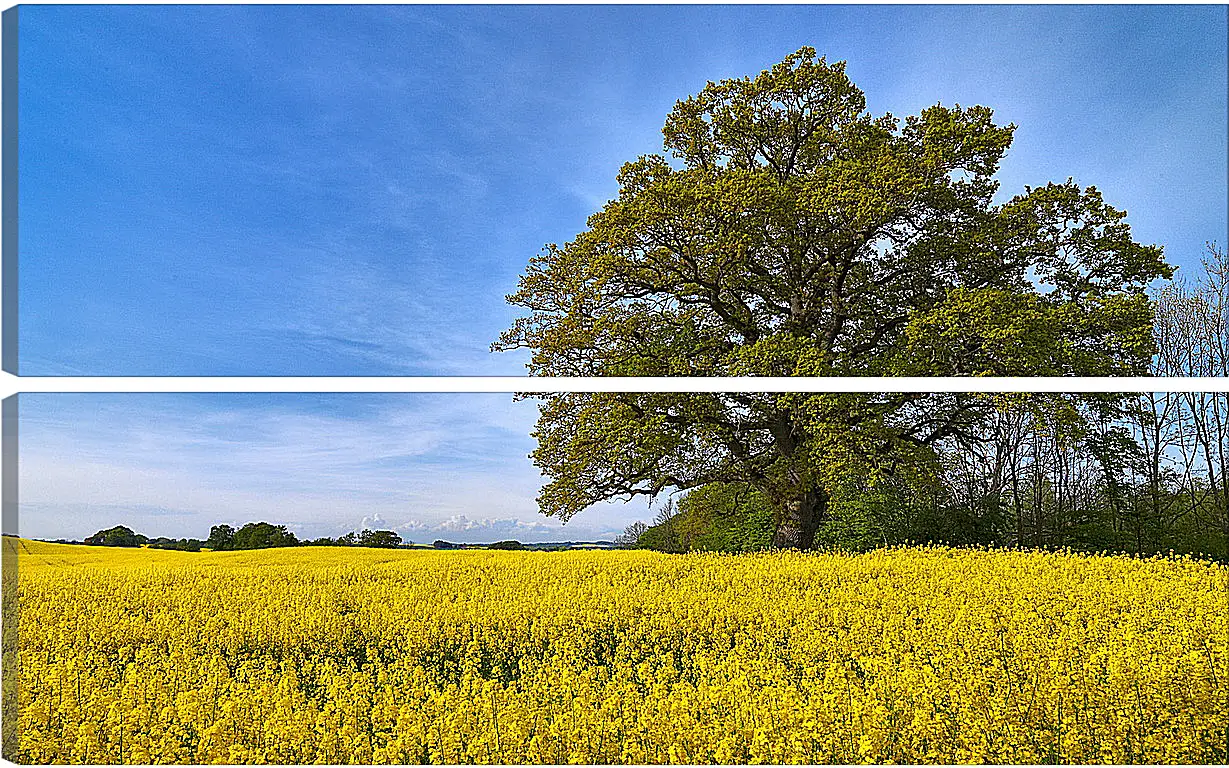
(221, 190)
(430, 466)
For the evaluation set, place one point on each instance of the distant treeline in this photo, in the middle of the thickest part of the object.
(260, 535)
(264, 535)
(441, 544)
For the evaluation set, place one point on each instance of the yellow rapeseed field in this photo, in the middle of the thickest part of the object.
(317, 655)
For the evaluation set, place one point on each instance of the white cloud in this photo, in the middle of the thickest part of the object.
(374, 523)
(174, 465)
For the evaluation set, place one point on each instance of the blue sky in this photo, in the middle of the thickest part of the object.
(324, 190)
(353, 190)
(430, 466)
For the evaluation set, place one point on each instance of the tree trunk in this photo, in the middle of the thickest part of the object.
(800, 520)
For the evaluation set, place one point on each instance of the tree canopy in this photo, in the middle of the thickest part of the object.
(221, 538)
(368, 538)
(263, 536)
(794, 234)
(119, 536)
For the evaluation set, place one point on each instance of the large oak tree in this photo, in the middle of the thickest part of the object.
(794, 234)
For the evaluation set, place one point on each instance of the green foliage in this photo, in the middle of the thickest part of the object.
(183, 545)
(664, 535)
(894, 514)
(793, 233)
(263, 536)
(364, 538)
(658, 538)
(858, 523)
(726, 517)
(719, 517)
(221, 538)
(380, 539)
(802, 236)
(119, 536)
(510, 544)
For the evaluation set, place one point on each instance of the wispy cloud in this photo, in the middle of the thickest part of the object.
(325, 465)
(353, 189)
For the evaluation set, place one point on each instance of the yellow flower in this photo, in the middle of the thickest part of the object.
(356, 656)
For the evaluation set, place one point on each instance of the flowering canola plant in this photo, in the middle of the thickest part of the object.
(329, 655)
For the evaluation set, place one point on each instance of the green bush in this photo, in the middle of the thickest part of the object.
(719, 517)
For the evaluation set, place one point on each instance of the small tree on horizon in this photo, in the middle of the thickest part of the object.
(379, 539)
(512, 544)
(119, 536)
(221, 538)
(263, 535)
